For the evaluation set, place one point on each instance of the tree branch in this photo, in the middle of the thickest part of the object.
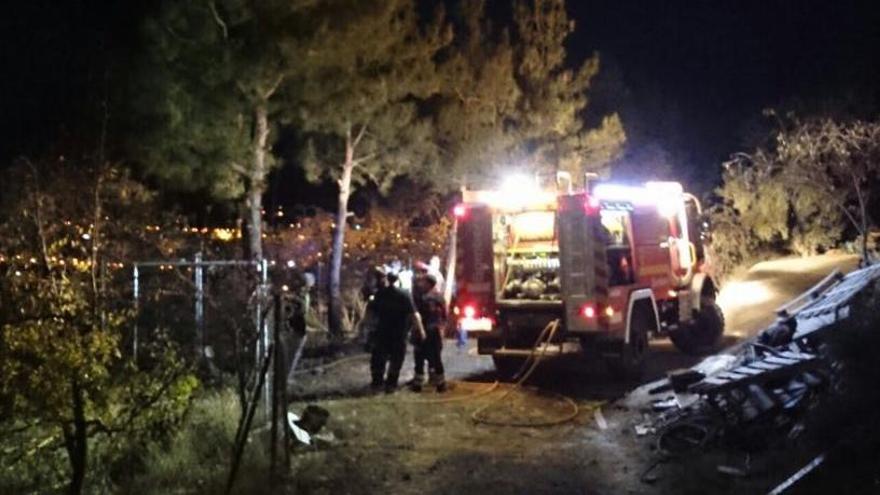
(218, 19)
(273, 87)
(364, 158)
(360, 136)
(237, 168)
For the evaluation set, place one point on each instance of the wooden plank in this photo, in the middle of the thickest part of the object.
(747, 370)
(730, 375)
(760, 398)
(780, 361)
(811, 379)
(712, 380)
(764, 366)
(800, 356)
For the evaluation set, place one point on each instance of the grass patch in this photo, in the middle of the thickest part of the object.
(196, 459)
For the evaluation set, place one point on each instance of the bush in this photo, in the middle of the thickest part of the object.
(197, 458)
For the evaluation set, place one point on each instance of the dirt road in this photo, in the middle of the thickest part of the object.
(429, 443)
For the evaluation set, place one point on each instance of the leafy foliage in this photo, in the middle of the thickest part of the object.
(509, 98)
(806, 192)
(208, 94)
(64, 381)
(195, 459)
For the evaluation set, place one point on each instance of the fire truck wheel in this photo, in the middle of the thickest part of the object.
(704, 335)
(507, 367)
(630, 364)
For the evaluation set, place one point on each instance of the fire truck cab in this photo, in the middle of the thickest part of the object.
(616, 264)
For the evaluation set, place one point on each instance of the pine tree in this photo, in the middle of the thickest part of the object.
(361, 81)
(512, 99)
(206, 98)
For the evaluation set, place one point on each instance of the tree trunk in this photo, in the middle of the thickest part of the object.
(76, 442)
(335, 307)
(863, 219)
(865, 258)
(256, 183)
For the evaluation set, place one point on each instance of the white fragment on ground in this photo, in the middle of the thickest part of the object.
(301, 435)
(644, 429)
(732, 471)
(715, 364)
(600, 418)
(326, 437)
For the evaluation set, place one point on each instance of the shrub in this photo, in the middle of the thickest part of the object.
(197, 458)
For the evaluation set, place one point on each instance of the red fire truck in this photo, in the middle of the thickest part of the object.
(615, 264)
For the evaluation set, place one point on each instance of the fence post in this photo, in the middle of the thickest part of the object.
(263, 329)
(135, 275)
(278, 365)
(199, 304)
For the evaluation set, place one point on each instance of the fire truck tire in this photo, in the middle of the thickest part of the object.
(506, 367)
(630, 364)
(704, 335)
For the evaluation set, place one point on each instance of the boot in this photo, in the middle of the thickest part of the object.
(417, 382)
(438, 380)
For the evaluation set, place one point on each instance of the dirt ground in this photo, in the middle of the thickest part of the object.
(429, 443)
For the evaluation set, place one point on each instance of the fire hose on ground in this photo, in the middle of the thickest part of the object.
(528, 367)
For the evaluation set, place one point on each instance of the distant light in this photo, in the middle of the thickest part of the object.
(588, 311)
(459, 211)
(609, 311)
(591, 205)
(285, 288)
(470, 311)
(291, 263)
(672, 293)
(86, 237)
(224, 235)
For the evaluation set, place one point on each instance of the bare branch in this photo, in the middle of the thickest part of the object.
(218, 19)
(239, 169)
(365, 158)
(360, 136)
(273, 87)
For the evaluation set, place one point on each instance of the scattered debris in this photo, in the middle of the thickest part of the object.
(681, 379)
(302, 436)
(644, 429)
(714, 364)
(600, 419)
(649, 476)
(306, 427)
(664, 404)
(760, 392)
(785, 485)
(732, 471)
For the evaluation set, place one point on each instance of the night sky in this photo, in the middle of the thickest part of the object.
(689, 75)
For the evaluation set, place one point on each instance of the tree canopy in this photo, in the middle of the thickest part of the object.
(809, 188)
(512, 99)
(65, 380)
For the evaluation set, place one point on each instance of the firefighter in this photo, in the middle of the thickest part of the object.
(432, 311)
(420, 270)
(395, 317)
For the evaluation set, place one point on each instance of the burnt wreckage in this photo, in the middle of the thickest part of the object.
(762, 391)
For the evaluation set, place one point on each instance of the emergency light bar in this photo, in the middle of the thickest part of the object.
(667, 196)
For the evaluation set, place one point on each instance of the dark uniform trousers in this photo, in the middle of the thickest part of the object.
(388, 352)
(429, 350)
